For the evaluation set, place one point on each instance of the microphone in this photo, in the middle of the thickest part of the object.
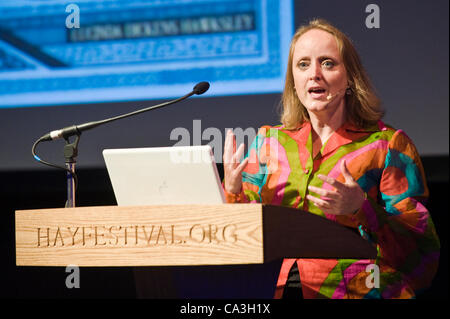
(200, 88)
(331, 96)
(68, 131)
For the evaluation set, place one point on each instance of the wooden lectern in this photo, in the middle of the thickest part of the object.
(179, 235)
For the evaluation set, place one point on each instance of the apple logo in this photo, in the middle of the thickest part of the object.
(162, 189)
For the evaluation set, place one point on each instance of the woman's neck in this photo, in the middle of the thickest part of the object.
(325, 123)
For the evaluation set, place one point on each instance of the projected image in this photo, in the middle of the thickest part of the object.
(68, 52)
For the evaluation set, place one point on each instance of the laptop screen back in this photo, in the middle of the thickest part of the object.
(164, 175)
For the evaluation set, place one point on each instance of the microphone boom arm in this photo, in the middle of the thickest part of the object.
(77, 129)
(71, 151)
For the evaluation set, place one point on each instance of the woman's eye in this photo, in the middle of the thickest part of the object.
(303, 64)
(328, 64)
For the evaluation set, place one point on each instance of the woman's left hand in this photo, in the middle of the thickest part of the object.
(345, 199)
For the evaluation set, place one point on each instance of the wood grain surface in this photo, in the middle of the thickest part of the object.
(140, 235)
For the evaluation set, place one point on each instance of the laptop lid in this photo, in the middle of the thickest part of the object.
(164, 175)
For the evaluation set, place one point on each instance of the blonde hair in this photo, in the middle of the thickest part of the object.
(362, 105)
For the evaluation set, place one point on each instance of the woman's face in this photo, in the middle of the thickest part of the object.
(320, 77)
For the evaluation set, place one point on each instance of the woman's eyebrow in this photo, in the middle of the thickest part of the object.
(320, 58)
(328, 57)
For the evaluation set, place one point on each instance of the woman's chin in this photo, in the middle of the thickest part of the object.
(316, 106)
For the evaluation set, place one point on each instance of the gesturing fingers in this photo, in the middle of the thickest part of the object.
(238, 154)
(320, 203)
(344, 170)
(345, 198)
(229, 147)
(242, 166)
(233, 167)
(324, 192)
(333, 182)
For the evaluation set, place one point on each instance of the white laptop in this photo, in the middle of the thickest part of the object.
(164, 175)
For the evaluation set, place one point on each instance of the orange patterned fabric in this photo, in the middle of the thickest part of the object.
(393, 218)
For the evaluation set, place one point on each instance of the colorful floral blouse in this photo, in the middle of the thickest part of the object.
(386, 165)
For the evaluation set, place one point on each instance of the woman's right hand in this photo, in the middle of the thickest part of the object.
(232, 167)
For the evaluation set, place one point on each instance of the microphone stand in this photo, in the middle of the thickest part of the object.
(70, 153)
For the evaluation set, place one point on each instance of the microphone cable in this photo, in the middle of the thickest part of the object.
(37, 158)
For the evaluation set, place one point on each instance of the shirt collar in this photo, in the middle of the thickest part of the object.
(346, 134)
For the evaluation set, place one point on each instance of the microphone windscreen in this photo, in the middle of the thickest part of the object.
(201, 88)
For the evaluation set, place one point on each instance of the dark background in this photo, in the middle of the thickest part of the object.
(407, 59)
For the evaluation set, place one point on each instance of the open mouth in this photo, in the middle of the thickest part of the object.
(317, 93)
(316, 90)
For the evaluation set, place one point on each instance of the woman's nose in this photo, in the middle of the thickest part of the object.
(316, 72)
